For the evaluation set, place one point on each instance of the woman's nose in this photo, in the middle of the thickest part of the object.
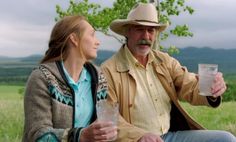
(97, 42)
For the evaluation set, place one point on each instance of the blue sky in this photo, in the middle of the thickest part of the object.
(25, 26)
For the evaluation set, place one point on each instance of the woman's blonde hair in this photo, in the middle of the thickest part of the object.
(58, 43)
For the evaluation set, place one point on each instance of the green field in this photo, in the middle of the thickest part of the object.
(11, 115)
(221, 118)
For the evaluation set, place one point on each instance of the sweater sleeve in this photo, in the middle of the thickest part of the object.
(38, 114)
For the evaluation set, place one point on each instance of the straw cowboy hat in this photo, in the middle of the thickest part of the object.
(142, 14)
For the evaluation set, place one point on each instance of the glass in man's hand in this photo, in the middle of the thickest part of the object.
(206, 74)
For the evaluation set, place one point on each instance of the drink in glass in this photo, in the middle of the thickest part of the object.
(107, 111)
(206, 74)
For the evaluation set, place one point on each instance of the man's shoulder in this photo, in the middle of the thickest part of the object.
(110, 61)
(162, 56)
(160, 53)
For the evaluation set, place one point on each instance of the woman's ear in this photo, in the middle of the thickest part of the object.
(74, 39)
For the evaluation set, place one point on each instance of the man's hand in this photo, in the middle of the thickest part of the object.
(150, 138)
(218, 87)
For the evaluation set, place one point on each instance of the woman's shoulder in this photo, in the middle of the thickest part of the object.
(42, 71)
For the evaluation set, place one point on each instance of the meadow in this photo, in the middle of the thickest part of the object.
(12, 118)
(11, 114)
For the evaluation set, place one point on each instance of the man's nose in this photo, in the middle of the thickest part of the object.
(145, 34)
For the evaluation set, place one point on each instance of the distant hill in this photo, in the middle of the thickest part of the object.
(192, 56)
(32, 58)
(18, 69)
(102, 56)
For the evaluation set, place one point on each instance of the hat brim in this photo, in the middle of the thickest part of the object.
(119, 26)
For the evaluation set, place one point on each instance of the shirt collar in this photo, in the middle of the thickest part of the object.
(84, 76)
(133, 61)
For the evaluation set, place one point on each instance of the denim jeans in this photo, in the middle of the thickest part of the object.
(199, 136)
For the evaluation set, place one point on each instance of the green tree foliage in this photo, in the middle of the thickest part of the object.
(230, 94)
(101, 17)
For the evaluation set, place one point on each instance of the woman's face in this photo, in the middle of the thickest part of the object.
(88, 42)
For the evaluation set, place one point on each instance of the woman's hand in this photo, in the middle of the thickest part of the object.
(99, 132)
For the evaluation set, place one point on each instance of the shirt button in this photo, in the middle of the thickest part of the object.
(162, 129)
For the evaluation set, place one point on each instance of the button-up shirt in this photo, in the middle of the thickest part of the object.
(151, 100)
(83, 97)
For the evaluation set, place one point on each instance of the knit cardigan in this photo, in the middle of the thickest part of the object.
(49, 103)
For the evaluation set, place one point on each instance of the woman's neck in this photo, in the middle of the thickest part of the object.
(74, 67)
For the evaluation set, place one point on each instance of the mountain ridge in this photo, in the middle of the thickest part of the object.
(189, 57)
(192, 56)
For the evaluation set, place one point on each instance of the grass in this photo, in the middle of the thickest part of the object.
(10, 92)
(11, 119)
(11, 115)
(221, 118)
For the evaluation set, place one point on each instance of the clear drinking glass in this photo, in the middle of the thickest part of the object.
(206, 74)
(107, 112)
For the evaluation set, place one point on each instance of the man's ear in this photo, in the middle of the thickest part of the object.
(74, 39)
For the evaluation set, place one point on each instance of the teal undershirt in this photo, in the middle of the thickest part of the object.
(83, 97)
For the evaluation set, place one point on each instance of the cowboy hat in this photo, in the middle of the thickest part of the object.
(142, 14)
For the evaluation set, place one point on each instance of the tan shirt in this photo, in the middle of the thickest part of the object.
(151, 98)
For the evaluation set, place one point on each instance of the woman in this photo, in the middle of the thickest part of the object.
(61, 93)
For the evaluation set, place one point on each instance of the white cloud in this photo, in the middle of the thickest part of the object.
(212, 24)
(26, 25)
(21, 39)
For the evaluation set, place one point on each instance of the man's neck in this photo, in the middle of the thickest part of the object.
(142, 60)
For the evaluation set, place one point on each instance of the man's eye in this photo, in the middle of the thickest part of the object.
(151, 30)
(139, 29)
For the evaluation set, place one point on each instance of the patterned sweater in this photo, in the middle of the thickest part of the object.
(49, 103)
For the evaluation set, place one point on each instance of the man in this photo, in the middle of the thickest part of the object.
(148, 84)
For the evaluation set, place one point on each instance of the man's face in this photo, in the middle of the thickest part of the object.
(141, 39)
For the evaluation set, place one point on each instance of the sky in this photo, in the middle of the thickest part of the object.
(25, 26)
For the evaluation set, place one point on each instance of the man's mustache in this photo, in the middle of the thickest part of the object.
(145, 42)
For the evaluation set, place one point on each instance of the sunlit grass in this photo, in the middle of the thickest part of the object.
(11, 120)
(11, 115)
(8, 92)
(221, 118)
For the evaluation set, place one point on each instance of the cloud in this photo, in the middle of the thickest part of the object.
(211, 23)
(26, 25)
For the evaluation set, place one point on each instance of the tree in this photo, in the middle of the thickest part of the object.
(101, 17)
